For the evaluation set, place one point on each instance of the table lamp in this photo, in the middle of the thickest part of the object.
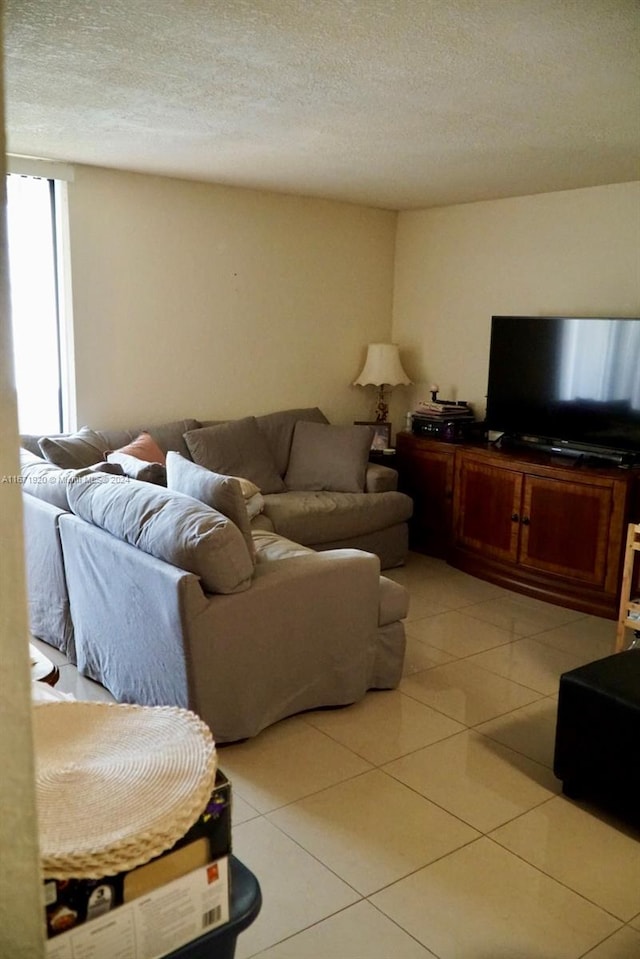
(382, 368)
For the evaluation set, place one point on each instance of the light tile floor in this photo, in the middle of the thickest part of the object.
(426, 821)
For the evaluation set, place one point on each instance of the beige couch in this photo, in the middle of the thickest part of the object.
(165, 599)
(322, 503)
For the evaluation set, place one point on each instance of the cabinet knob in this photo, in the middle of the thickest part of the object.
(525, 520)
(515, 518)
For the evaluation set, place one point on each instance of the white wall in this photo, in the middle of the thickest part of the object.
(573, 253)
(193, 299)
(21, 905)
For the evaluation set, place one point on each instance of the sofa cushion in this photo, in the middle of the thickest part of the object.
(169, 526)
(325, 457)
(277, 428)
(313, 518)
(261, 522)
(75, 450)
(272, 546)
(49, 483)
(223, 493)
(139, 469)
(394, 602)
(236, 448)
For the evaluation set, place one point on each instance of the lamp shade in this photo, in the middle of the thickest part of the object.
(382, 365)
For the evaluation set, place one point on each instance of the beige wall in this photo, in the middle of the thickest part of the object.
(571, 253)
(197, 299)
(21, 907)
(204, 300)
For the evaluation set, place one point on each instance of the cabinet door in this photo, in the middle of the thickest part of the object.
(565, 528)
(427, 476)
(487, 508)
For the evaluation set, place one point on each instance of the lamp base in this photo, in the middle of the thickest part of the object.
(382, 407)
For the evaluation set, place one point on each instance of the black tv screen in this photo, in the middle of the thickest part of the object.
(566, 381)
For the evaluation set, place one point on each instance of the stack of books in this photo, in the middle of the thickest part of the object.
(444, 409)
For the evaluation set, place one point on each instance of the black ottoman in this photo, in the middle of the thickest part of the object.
(597, 749)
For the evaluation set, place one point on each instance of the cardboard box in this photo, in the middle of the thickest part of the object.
(72, 902)
(154, 924)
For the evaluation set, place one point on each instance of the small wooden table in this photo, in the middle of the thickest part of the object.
(42, 669)
(629, 615)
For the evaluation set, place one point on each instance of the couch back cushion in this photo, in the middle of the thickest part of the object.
(170, 436)
(223, 493)
(50, 483)
(327, 457)
(236, 448)
(277, 429)
(169, 526)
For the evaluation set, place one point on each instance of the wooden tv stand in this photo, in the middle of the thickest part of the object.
(543, 525)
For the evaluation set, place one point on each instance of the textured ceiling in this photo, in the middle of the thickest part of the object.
(392, 103)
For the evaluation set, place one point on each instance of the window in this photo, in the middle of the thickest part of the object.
(36, 286)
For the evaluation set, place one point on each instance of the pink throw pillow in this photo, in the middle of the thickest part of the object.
(144, 447)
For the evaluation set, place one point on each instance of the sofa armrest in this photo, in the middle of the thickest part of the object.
(130, 612)
(47, 596)
(380, 479)
(305, 634)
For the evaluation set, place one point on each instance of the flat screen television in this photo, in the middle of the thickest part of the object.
(567, 384)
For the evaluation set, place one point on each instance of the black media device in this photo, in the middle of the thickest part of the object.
(440, 428)
(569, 385)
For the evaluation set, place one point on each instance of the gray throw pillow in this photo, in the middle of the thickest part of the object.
(169, 526)
(75, 450)
(328, 457)
(236, 448)
(223, 493)
(277, 429)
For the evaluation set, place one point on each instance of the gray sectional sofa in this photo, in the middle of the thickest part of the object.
(247, 589)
